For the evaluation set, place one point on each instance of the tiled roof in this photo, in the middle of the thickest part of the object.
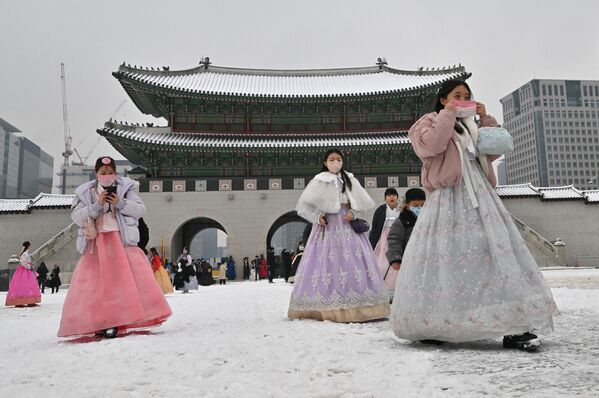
(547, 193)
(41, 201)
(561, 193)
(312, 83)
(162, 136)
(591, 196)
(518, 190)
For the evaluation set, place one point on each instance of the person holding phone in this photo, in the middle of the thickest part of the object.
(112, 289)
(338, 278)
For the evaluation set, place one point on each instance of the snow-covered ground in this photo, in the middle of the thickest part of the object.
(236, 341)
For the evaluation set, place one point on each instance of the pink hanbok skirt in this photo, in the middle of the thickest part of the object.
(112, 287)
(23, 288)
(380, 253)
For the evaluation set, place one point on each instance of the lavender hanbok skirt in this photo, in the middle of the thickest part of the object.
(338, 278)
(467, 274)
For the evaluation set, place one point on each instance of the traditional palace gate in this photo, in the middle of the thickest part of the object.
(239, 145)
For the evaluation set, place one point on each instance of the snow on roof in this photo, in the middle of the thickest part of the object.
(41, 201)
(516, 190)
(217, 80)
(561, 193)
(164, 136)
(592, 196)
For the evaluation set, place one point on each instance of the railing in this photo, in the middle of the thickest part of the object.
(55, 243)
(535, 238)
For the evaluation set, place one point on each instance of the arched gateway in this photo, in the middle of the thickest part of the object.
(239, 145)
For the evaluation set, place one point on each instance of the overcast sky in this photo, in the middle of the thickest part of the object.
(503, 43)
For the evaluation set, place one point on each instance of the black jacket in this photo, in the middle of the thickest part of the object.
(399, 235)
(378, 222)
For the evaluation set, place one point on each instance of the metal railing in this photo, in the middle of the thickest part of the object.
(536, 239)
(55, 243)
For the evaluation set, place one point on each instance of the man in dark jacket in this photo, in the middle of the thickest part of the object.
(270, 261)
(380, 215)
(42, 275)
(401, 229)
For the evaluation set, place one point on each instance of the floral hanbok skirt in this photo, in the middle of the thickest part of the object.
(338, 278)
(467, 274)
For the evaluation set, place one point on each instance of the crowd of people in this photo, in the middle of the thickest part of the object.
(444, 265)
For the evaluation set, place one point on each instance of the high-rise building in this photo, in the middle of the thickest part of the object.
(26, 169)
(554, 124)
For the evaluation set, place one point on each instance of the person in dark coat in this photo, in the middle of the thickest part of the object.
(55, 281)
(270, 261)
(286, 260)
(246, 268)
(399, 234)
(144, 235)
(231, 275)
(380, 215)
(42, 275)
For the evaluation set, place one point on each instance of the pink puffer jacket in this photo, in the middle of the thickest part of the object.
(435, 142)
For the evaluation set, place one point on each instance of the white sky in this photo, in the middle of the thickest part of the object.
(503, 43)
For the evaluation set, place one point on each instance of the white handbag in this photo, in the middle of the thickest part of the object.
(494, 141)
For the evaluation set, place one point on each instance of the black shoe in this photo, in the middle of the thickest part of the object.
(431, 341)
(526, 342)
(110, 333)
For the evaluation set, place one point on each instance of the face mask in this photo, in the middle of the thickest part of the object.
(184, 251)
(334, 166)
(416, 210)
(465, 108)
(300, 248)
(106, 180)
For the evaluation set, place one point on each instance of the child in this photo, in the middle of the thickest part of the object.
(23, 289)
(222, 275)
(466, 274)
(398, 237)
(160, 273)
(112, 289)
(337, 278)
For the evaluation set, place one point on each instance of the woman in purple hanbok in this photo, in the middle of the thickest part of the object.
(338, 278)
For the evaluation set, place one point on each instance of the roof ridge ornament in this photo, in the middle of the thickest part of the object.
(380, 62)
(205, 61)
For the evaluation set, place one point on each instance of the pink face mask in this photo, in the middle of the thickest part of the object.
(465, 108)
(106, 180)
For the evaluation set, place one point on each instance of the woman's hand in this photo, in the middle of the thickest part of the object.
(322, 221)
(450, 106)
(113, 199)
(102, 197)
(396, 266)
(481, 110)
(348, 216)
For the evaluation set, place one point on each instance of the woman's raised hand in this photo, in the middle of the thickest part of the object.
(481, 110)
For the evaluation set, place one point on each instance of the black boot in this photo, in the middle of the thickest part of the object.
(432, 342)
(526, 342)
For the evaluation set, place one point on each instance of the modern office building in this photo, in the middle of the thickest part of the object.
(26, 169)
(554, 124)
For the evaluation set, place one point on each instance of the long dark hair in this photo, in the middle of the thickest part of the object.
(153, 251)
(26, 245)
(446, 88)
(344, 176)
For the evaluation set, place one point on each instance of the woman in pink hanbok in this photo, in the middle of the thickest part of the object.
(24, 289)
(112, 288)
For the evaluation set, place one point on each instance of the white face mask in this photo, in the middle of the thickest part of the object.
(334, 166)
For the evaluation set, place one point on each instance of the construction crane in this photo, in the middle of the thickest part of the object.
(65, 119)
(83, 159)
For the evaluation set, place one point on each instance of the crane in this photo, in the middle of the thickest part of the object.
(65, 119)
(83, 159)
